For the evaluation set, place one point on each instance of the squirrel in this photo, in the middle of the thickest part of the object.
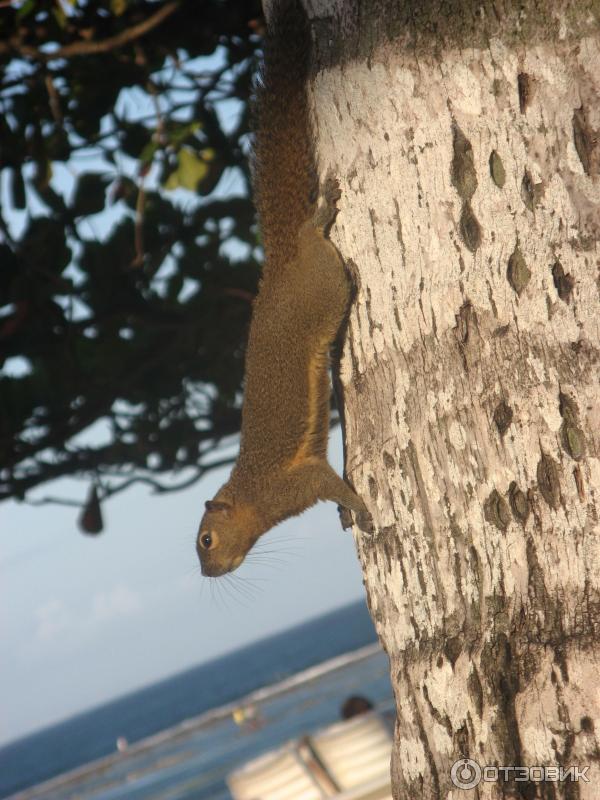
(303, 298)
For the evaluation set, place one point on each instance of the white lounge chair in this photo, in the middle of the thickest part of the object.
(349, 760)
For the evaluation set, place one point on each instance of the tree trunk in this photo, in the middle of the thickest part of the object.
(466, 141)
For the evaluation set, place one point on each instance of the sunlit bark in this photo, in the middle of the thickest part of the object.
(470, 218)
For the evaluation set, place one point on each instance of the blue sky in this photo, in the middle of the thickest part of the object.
(85, 619)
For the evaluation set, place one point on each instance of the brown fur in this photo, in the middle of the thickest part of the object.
(284, 174)
(304, 293)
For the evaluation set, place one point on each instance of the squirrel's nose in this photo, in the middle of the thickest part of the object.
(216, 570)
(212, 570)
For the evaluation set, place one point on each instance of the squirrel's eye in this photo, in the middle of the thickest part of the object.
(206, 541)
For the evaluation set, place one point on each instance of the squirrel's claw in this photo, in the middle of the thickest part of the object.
(362, 519)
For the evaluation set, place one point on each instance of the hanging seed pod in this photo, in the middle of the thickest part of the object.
(90, 520)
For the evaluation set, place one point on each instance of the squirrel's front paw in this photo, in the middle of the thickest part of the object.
(362, 519)
(365, 522)
(345, 517)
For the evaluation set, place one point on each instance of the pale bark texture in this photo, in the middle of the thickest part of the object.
(466, 138)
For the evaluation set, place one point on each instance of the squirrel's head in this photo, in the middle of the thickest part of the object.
(227, 531)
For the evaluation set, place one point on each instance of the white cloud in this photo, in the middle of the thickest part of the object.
(121, 601)
(52, 619)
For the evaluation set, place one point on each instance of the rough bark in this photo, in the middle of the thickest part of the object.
(469, 161)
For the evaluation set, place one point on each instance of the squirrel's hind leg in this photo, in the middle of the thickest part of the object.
(327, 208)
(324, 283)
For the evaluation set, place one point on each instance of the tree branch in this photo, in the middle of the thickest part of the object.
(155, 485)
(91, 48)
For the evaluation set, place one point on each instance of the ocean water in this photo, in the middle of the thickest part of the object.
(182, 736)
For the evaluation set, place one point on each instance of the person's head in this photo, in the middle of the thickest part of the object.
(355, 705)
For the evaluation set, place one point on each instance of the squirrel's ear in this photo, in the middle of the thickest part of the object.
(217, 505)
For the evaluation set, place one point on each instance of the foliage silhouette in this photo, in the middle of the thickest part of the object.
(128, 245)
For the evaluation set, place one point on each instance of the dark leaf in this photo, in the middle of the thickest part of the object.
(90, 194)
(18, 188)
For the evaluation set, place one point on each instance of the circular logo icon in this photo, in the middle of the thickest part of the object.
(465, 773)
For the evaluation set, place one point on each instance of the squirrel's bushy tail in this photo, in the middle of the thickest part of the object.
(285, 177)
